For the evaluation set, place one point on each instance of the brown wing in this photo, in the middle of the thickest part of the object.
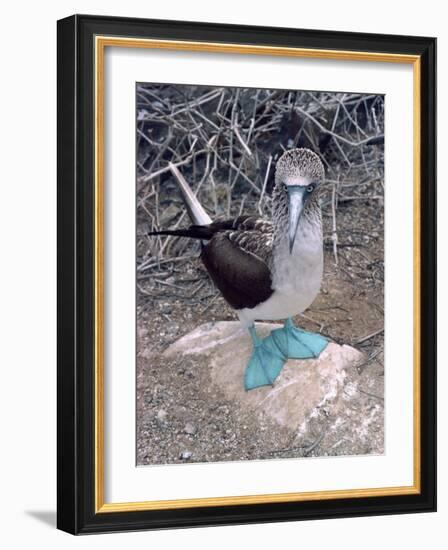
(243, 278)
(254, 243)
(242, 223)
(253, 234)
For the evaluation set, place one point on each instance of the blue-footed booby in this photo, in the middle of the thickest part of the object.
(268, 268)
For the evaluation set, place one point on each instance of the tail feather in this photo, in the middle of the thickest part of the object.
(195, 210)
(193, 232)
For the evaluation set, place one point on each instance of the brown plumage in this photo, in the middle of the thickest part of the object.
(238, 261)
(237, 254)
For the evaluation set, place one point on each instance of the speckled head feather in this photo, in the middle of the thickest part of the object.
(296, 164)
(302, 163)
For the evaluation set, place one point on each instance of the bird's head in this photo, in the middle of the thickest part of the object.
(298, 174)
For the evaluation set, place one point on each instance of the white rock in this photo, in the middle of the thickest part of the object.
(190, 428)
(186, 455)
(305, 389)
(162, 416)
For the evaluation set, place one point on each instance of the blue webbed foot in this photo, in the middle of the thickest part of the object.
(296, 343)
(265, 363)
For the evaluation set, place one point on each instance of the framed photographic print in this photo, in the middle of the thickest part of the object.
(246, 274)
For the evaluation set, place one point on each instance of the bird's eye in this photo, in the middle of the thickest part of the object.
(310, 188)
(285, 187)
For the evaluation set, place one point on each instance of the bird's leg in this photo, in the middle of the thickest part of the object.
(264, 364)
(296, 343)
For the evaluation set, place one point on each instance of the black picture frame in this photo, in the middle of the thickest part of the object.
(76, 255)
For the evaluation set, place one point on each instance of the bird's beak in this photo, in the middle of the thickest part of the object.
(296, 195)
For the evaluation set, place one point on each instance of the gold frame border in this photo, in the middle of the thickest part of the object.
(101, 42)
